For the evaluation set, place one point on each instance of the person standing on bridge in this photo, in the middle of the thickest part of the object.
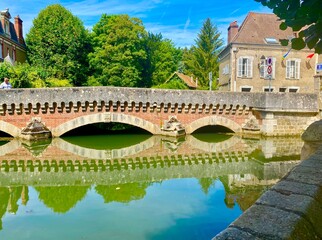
(6, 83)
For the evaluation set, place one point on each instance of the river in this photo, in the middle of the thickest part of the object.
(135, 186)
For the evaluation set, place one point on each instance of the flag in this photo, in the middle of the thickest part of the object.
(285, 55)
(310, 55)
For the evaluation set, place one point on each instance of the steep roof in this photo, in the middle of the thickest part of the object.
(186, 79)
(260, 26)
(13, 34)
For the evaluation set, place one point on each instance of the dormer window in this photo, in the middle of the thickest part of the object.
(7, 28)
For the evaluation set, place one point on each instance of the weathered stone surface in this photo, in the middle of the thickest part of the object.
(290, 187)
(273, 223)
(233, 233)
(313, 133)
(35, 130)
(302, 205)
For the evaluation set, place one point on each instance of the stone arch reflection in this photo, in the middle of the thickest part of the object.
(107, 153)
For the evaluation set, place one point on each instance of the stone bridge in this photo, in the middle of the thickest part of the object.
(63, 109)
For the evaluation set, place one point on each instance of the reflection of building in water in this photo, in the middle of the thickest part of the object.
(245, 189)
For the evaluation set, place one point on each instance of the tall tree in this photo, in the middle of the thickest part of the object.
(162, 58)
(203, 58)
(304, 16)
(119, 53)
(59, 43)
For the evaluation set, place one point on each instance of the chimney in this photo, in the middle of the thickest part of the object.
(232, 31)
(18, 29)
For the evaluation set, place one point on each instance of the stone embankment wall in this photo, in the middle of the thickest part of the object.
(291, 209)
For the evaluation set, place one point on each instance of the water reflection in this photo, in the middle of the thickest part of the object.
(141, 171)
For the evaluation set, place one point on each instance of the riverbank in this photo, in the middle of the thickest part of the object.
(291, 209)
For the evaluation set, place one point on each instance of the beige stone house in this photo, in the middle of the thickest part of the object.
(255, 45)
(12, 43)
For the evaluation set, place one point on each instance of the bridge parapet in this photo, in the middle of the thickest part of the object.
(83, 98)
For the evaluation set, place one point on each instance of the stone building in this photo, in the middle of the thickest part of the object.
(12, 43)
(255, 45)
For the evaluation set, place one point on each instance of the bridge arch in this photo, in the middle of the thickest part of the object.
(104, 118)
(9, 129)
(213, 120)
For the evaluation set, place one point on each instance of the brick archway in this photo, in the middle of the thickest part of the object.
(213, 120)
(105, 118)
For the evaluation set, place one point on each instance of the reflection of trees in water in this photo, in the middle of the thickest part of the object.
(123, 193)
(61, 199)
(9, 197)
(4, 200)
(206, 184)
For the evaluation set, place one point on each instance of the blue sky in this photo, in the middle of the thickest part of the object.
(178, 20)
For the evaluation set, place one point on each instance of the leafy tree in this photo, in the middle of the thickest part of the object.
(4, 71)
(304, 16)
(175, 83)
(203, 58)
(59, 43)
(119, 54)
(162, 59)
(26, 76)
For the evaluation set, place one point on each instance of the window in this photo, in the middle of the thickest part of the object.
(293, 89)
(246, 89)
(7, 27)
(263, 68)
(225, 70)
(293, 69)
(266, 89)
(245, 67)
(283, 89)
(13, 55)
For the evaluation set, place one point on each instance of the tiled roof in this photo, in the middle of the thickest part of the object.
(186, 79)
(258, 26)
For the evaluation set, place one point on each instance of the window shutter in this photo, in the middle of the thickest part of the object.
(249, 67)
(240, 66)
(297, 69)
(288, 65)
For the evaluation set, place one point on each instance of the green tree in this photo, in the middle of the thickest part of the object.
(304, 16)
(175, 83)
(26, 76)
(203, 58)
(162, 59)
(4, 71)
(59, 43)
(119, 54)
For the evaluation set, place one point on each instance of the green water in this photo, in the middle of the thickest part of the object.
(135, 186)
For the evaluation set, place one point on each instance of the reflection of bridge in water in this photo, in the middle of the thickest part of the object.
(156, 159)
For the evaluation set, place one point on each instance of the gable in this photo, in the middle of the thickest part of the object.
(261, 28)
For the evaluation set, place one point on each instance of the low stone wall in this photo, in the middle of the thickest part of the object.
(291, 209)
